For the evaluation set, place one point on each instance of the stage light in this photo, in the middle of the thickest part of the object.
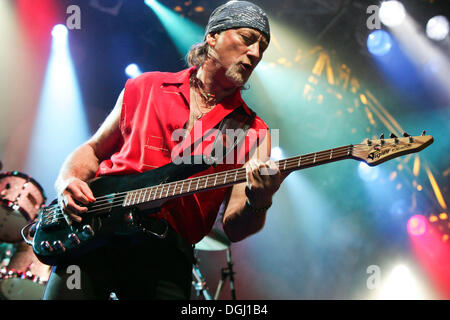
(379, 42)
(183, 32)
(277, 153)
(437, 28)
(392, 13)
(417, 225)
(60, 120)
(368, 173)
(401, 284)
(59, 33)
(132, 70)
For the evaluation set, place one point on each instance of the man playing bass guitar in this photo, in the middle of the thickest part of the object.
(137, 136)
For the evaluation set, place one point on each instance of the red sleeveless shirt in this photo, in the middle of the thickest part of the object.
(155, 105)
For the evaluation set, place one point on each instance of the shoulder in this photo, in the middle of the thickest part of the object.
(152, 78)
(148, 79)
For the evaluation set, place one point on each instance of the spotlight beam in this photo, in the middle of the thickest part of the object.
(183, 32)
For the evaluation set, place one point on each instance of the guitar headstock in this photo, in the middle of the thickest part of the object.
(374, 152)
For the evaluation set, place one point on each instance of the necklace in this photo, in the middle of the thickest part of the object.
(209, 99)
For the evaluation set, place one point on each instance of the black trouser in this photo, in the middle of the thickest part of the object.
(142, 267)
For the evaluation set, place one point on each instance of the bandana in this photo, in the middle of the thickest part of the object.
(238, 14)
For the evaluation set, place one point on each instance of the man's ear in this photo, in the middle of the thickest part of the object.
(211, 39)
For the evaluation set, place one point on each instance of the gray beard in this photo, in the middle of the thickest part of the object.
(235, 76)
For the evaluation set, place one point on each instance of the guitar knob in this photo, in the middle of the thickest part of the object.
(46, 245)
(58, 245)
(74, 238)
(87, 230)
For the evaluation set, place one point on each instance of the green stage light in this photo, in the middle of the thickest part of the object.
(183, 32)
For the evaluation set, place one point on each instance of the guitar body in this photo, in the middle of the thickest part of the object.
(56, 241)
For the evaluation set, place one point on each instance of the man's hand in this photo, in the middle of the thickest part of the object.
(75, 193)
(263, 180)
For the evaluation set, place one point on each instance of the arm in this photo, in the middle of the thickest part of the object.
(82, 164)
(241, 220)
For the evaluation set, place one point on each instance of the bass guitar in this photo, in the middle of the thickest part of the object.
(120, 199)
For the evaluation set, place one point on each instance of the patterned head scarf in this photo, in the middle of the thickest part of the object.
(238, 14)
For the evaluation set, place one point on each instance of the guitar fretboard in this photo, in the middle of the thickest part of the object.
(229, 177)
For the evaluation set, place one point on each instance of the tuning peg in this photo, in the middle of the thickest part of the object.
(423, 132)
(393, 136)
(369, 142)
(382, 136)
(406, 135)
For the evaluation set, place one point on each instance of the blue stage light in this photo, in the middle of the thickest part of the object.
(379, 42)
(60, 124)
(132, 70)
(368, 173)
(59, 33)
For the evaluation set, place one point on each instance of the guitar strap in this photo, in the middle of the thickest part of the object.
(231, 132)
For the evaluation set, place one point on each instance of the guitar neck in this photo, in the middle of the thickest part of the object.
(230, 177)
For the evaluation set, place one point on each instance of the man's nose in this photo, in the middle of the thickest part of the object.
(254, 51)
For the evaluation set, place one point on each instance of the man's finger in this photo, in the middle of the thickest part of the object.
(74, 217)
(87, 192)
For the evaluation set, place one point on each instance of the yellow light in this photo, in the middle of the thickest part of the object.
(393, 175)
(282, 60)
(416, 167)
(445, 237)
(443, 216)
(319, 99)
(436, 189)
(433, 218)
(363, 98)
(419, 187)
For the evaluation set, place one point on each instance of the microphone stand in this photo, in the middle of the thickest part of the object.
(227, 272)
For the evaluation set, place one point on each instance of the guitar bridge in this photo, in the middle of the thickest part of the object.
(52, 218)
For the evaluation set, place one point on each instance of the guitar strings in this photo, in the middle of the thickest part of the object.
(107, 203)
(319, 157)
(304, 158)
(118, 199)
